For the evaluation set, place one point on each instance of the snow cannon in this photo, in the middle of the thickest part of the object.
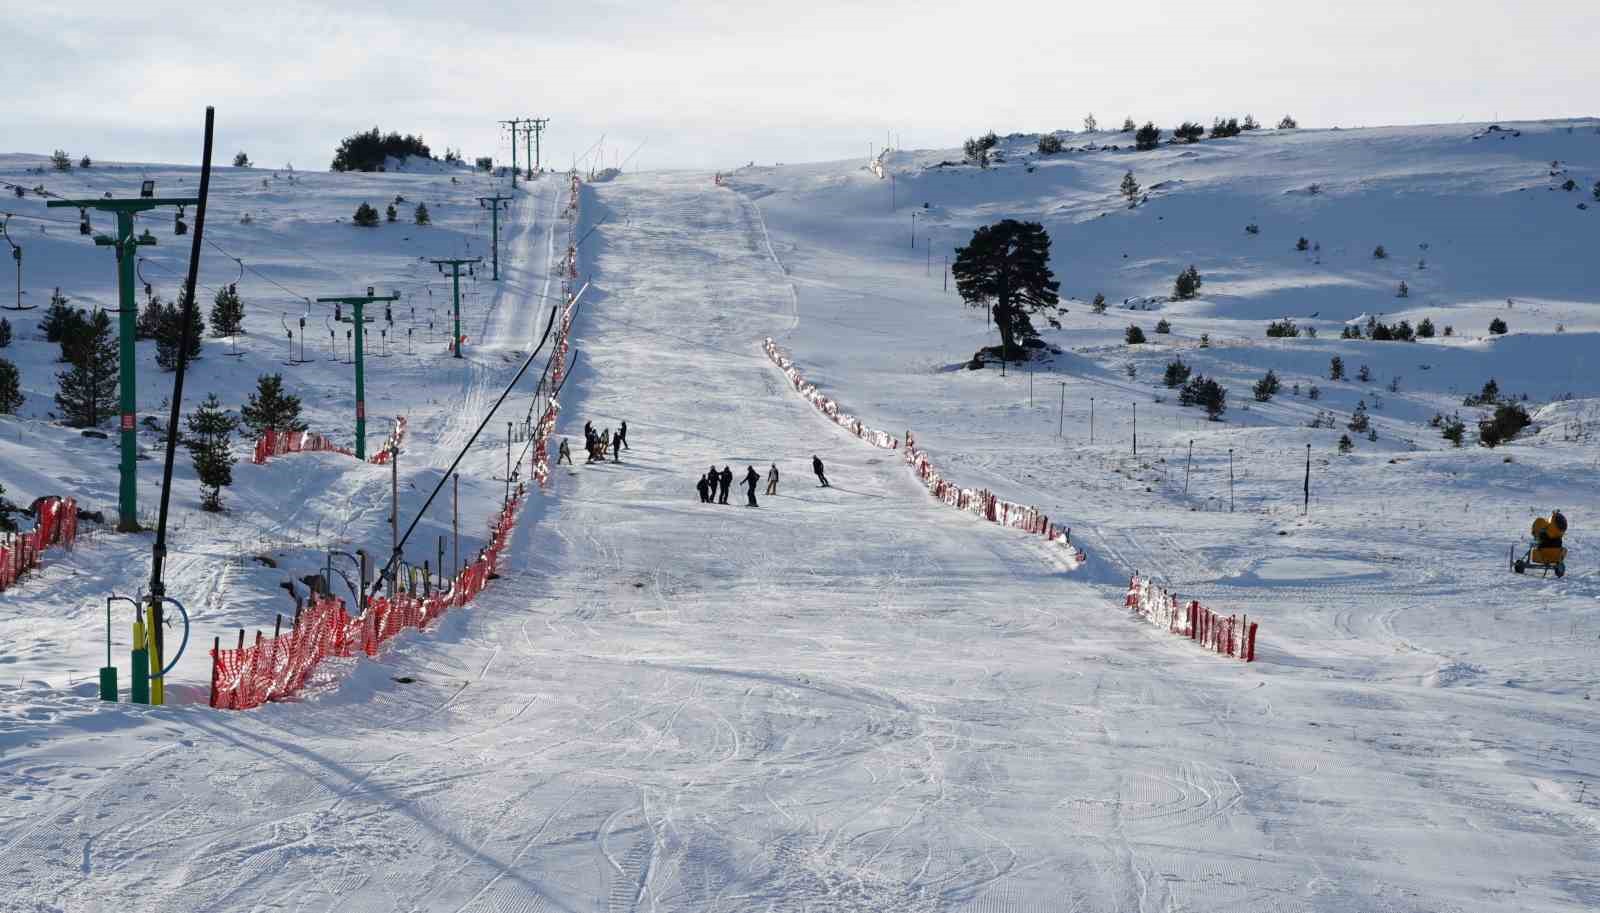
(1547, 551)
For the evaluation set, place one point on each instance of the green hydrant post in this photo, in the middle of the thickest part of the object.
(108, 672)
(141, 663)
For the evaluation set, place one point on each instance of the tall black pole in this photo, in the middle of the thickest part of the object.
(1135, 429)
(1230, 480)
(158, 552)
(1306, 506)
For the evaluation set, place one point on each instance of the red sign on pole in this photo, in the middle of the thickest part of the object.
(127, 421)
(361, 409)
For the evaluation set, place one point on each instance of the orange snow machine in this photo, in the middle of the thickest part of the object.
(1547, 552)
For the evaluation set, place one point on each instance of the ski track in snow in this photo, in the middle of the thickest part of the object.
(847, 699)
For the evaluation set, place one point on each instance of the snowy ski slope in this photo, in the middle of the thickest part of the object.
(853, 698)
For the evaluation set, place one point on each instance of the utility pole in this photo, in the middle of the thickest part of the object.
(538, 125)
(1061, 423)
(1136, 429)
(394, 514)
(359, 320)
(455, 265)
(514, 123)
(126, 246)
(494, 222)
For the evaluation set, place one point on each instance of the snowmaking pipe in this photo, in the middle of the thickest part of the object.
(181, 644)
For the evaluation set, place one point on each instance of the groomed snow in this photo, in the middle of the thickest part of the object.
(853, 698)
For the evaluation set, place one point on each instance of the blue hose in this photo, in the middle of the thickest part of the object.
(183, 643)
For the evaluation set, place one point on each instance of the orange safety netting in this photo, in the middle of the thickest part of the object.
(277, 443)
(273, 668)
(1229, 635)
(56, 524)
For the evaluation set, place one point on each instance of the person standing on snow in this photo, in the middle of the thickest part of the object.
(711, 483)
(772, 480)
(616, 448)
(622, 436)
(565, 454)
(816, 467)
(751, 477)
(724, 482)
(704, 488)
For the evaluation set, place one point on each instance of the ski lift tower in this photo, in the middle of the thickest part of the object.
(455, 265)
(126, 246)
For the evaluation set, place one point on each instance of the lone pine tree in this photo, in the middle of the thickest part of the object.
(210, 446)
(169, 334)
(10, 388)
(227, 312)
(271, 408)
(87, 393)
(1006, 268)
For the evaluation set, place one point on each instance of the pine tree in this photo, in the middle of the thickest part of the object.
(422, 216)
(1378, 253)
(366, 216)
(1098, 306)
(1177, 372)
(1163, 327)
(1497, 327)
(5, 332)
(1189, 132)
(1148, 136)
(1454, 430)
(169, 338)
(60, 160)
(85, 162)
(1202, 391)
(76, 331)
(1128, 127)
(270, 408)
(10, 388)
(241, 161)
(1267, 387)
(1187, 284)
(1006, 267)
(1404, 291)
(1090, 125)
(227, 312)
(1364, 374)
(390, 214)
(1345, 444)
(1358, 419)
(1288, 123)
(1133, 336)
(1130, 186)
(56, 317)
(1425, 328)
(1049, 144)
(87, 393)
(210, 445)
(1336, 368)
(1249, 123)
(148, 325)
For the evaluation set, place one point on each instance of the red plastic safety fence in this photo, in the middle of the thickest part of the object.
(825, 405)
(1229, 635)
(277, 443)
(391, 443)
(981, 502)
(55, 524)
(278, 667)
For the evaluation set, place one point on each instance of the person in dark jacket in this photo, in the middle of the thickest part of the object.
(616, 447)
(704, 488)
(724, 482)
(772, 480)
(816, 467)
(711, 485)
(622, 436)
(751, 479)
(565, 454)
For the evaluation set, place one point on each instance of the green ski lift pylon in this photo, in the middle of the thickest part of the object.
(358, 320)
(494, 227)
(455, 264)
(126, 246)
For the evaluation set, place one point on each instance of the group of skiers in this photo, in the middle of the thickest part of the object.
(714, 484)
(596, 445)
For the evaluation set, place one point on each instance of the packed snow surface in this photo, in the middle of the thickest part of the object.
(852, 698)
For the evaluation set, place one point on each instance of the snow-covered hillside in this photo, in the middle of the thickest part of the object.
(852, 698)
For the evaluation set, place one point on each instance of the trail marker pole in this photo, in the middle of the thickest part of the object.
(359, 320)
(394, 509)
(508, 466)
(126, 246)
(1136, 428)
(1091, 420)
(1186, 466)
(1230, 480)
(455, 520)
(1061, 424)
(493, 203)
(455, 265)
(913, 229)
(1305, 507)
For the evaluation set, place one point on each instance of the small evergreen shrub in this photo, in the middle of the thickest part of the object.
(1187, 284)
(1336, 368)
(1267, 387)
(1364, 374)
(1345, 444)
(1507, 422)
(1049, 144)
(241, 161)
(1302, 244)
(1282, 329)
(10, 388)
(366, 216)
(1148, 137)
(1177, 372)
(1497, 327)
(422, 217)
(1098, 306)
(1163, 327)
(1206, 393)
(1133, 336)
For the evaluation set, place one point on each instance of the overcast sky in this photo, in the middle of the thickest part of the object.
(716, 84)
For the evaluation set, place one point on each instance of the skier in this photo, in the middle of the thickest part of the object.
(724, 482)
(616, 448)
(816, 467)
(588, 431)
(622, 436)
(704, 488)
(772, 480)
(751, 477)
(565, 455)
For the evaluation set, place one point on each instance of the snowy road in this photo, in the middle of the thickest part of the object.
(847, 699)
